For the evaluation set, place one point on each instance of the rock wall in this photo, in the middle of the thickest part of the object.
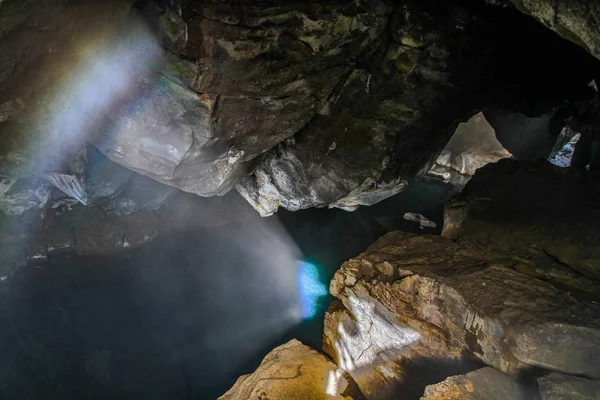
(336, 103)
(424, 303)
(573, 20)
(538, 209)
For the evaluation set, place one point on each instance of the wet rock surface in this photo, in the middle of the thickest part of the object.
(415, 84)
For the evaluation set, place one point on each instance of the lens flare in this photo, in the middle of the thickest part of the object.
(310, 288)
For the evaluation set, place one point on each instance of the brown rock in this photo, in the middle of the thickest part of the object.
(565, 387)
(447, 305)
(483, 384)
(292, 372)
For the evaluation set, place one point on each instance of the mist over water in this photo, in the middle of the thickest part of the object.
(186, 315)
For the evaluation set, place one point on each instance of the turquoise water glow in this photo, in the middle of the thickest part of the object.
(310, 288)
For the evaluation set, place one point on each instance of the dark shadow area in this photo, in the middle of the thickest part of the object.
(423, 372)
(186, 315)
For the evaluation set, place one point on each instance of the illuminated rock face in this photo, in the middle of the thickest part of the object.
(337, 103)
(413, 310)
(473, 145)
(292, 371)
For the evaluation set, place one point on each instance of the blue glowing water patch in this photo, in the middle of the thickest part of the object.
(310, 288)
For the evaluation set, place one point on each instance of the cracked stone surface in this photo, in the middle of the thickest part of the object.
(556, 386)
(334, 103)
(392, 114)
(413, 310)
(483, 384)
(293, 371)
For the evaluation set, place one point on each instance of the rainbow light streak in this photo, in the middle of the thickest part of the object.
(105, 75)
(310, 288)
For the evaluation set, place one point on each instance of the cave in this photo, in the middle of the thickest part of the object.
(282, 199)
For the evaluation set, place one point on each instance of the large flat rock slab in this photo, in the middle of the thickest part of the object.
(412, 303)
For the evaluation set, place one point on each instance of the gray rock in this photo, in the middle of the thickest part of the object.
(353, 153)
(441, 303)
(538, 209)
(556, 386)
(483, 384)
(473, 145)
(314, 105)
(199, 134)
(573, 20)
(292, 371)
(20, 195)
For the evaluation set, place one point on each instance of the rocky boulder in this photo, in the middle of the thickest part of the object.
(413, 310)
(538, 209)
(556, 386)
(573, 20)
(483, 384)
(294, 371)
(334, 103)
(473, 145)
(389, 118)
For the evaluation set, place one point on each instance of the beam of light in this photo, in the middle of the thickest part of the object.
(368, 340)
(310, 289)
(102, 74)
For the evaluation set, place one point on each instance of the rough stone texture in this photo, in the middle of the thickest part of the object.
(556, 386)
(193, 94)
(260, 74)
(539, 209)
(345, 156)
(412, 303)
(524, 137)
(574, 20)
(292, 371)
(387, 120)
(483, 384)
(473, 145)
